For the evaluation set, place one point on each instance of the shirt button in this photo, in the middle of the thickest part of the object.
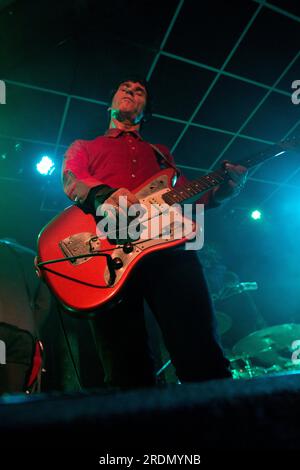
(133, 148)
(130, 141)
(134, 161)
(133, 175)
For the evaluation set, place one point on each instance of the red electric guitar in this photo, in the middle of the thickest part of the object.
(86, 271)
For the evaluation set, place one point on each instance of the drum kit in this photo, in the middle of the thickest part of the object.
(275, 349)
(271, 350)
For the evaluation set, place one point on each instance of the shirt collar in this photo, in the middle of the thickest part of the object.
(115, 132)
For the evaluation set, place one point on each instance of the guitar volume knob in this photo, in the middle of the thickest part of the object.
(117, 263)
(127, 248)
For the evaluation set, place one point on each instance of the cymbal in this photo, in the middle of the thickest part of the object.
(224, 322)
(14, 244)
(272, 345)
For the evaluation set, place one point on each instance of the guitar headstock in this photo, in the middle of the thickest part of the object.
(275, 150)
(292, 143)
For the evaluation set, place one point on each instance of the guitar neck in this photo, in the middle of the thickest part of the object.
(217, 177)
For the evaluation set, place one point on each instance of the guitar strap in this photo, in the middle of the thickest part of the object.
(166, 161)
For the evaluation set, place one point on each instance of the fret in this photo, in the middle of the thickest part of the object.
(184, 191)
(205, 184)
(172, 196)
(193, 188)
(197, 185)
(190, 190)
(167, 199)
(209, 180)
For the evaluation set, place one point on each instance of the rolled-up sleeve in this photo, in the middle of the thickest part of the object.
(77, 180)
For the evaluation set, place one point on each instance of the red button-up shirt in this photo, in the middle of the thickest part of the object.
(117, 159)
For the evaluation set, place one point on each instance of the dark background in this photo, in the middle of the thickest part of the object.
(221, 75)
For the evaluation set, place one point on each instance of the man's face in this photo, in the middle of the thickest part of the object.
(130, 99)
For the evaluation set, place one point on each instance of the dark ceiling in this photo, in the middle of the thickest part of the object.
(220, 71)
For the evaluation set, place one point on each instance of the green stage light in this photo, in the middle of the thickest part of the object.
(256, 214)
(45, 166)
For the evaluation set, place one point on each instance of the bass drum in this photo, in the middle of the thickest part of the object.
(242, 368)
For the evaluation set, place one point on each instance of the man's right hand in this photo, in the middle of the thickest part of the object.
(119, 201)
(116, 206)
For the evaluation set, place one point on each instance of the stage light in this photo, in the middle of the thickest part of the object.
(45, 166)
(256, 214)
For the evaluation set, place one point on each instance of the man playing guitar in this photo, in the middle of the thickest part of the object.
(172, 282)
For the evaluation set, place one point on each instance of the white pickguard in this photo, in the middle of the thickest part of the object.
(160, 224)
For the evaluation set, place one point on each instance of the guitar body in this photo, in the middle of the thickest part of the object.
(85, 280)
(85, 285)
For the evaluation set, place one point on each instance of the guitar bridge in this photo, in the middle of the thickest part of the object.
(79, 244)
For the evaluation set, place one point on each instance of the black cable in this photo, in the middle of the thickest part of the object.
(88, 255)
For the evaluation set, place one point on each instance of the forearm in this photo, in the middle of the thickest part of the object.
(78, 183)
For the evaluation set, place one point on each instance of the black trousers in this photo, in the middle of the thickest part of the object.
(174, 286)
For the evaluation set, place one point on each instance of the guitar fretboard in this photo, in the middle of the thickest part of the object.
(199, 185)
(204, 183)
